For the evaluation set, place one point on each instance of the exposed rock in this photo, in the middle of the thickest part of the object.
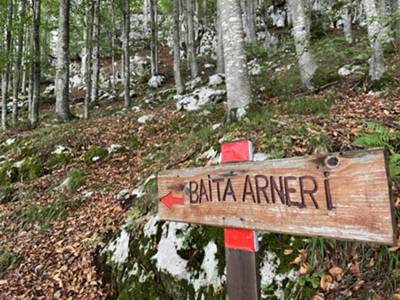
(122, 195)
(156, 81)
(261, 157)
(199, 98)
(192, 84)
(120, 248)
(348, 70)
(146, 119)
(216, 79)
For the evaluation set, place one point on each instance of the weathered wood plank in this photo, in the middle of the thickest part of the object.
(342, 196)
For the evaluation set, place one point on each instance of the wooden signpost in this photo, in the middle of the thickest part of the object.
(342, 196)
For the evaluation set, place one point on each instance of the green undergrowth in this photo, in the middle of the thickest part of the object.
(43, 216)
(8, 261)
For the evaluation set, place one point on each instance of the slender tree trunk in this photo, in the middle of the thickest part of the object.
(384, 16)
(347, 24)
(191, 44)
(251, 21)
(396, 11)
(237, 79)
(220, 45)
(62, 76)
(6, 71)
(89, 48)
(17, 63)
(177, 49)
(113, 70)
(96, 52)
(376, 62)
(127, 16)
(154, 37)
(146, 16)
(307, 65)
(36, 63)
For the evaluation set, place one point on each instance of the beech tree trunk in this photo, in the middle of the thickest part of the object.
(154, 37)
(250, 14)
(96, 52)
(113, 69)
(34, 116)
(396, 11)
(191, 43)
(220, 45)
(347, 24)
(6, 70)
(306, 62)
(237, 79)
(62, 69)
(88, 60)
(127, 15)
(177, 49)
(376, 62)
(17, 63)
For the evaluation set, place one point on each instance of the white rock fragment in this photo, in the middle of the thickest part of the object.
(209, 66)
(19, 164)
(348, 70)
(113, 148)
(87, 194)
(122, 195)
(216, 126)
(150, 228)
(9, 142)
(96, 158)
(254, 68)
(167, 257)
(209, 154)
(261, 156)
(156, 81)
(135, 108)
(60, 149)
(120, 248)
(199, 98)
(216, 79)
(145, 119)
(209, 266)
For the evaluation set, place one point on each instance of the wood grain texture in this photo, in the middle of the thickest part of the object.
(358, 188)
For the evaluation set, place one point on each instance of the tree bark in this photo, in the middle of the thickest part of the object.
(306, 62)
(251, 21)
(237, 79)
(191, 44)
(177, 50)
(154, 37)
(113, 69)
(96, 52)
(6, 71)
(17, 63)
(220, 43)
(376, 62)
(62, 74)
(396, 12)
(347, 24)
(34, 117)
(88, 62)
(127, 15)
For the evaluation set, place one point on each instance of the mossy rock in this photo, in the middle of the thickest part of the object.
(95, 154)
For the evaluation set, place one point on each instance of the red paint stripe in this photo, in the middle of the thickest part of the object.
(239, 239)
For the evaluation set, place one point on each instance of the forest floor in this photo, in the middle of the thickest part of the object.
(54, 222)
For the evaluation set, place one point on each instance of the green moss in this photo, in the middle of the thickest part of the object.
(5, 193)
(95, 152)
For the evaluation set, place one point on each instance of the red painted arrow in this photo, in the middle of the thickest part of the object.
(170, 200)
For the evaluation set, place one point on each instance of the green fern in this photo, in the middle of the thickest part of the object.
(381, 136)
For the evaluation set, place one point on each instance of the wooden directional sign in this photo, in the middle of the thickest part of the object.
(342, 196)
